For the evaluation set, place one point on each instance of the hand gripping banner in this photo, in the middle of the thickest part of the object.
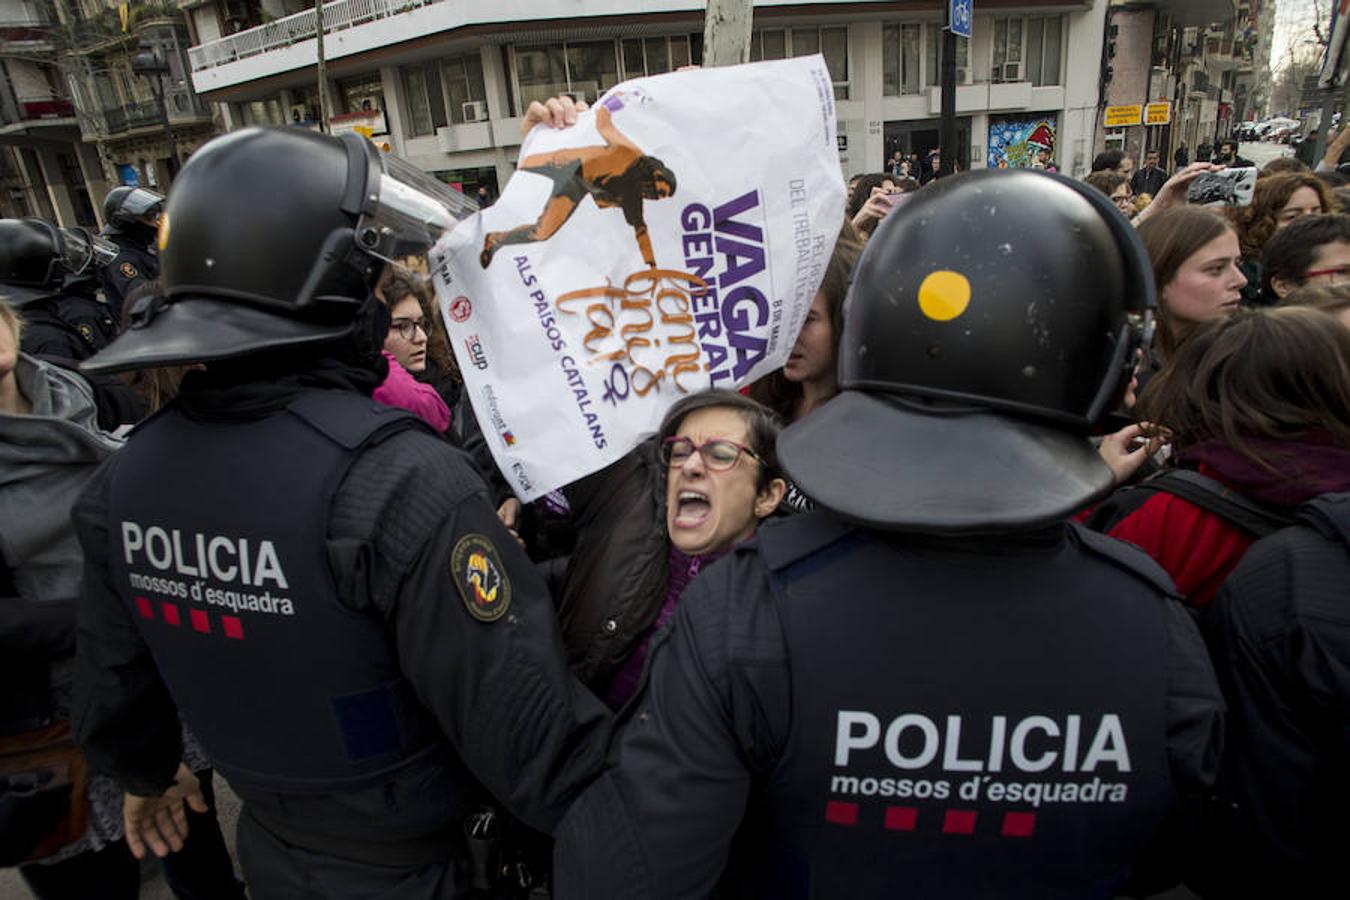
(669, 242)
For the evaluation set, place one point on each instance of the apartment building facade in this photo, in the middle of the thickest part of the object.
(1207, 59)
(93, 94)
(43, 161)
(445, 83)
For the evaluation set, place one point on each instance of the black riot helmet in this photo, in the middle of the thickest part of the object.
(38, 259)
(991, 322)
(273, 238)
(131, 211)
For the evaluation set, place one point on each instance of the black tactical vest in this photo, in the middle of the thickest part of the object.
(964, 725)
(218, 548)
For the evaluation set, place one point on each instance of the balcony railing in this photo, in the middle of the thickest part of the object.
(145, 114)
(116, 120)
(337, 16)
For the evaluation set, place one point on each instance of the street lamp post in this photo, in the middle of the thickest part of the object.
(150, 64)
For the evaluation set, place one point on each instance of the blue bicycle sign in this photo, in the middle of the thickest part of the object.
(960, 14)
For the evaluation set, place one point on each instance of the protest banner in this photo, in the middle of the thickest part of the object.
(672, 240)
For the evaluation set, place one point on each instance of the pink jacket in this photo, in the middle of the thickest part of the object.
(402, 390)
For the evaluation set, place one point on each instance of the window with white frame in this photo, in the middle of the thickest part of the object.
(654, 55)
(768, 44)
(933, 72)
(584, 69)
(1027, 49)
(901, 58)
(426, 100)
(831, 42)
(465, 89)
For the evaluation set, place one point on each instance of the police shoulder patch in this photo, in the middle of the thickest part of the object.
(480, 577)
(128, 270)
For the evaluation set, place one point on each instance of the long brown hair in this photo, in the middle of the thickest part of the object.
(1257, 222)
(1261, 374)
(774, 390)
(1172, 237)
(158, 385)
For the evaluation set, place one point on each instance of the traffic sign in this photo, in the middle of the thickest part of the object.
(1120, 116)
(960, 14)
(1158, 113)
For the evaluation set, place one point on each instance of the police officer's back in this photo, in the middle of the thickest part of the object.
(50, 275)
(131, 216)
(314, 581)
(934, 687)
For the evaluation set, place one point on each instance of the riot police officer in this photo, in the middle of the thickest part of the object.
(935, 686)
(50, 275)
(315, 582)
(131, 219)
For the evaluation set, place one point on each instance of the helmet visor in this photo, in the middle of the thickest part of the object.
(81, 250)
(139, 203)
(412, 212)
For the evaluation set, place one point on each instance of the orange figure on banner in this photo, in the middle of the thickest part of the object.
(617, 174)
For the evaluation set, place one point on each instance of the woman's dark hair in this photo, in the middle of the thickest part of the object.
(1263, 374)
(1329, 298)
(774, 390)
(862, 191)
(438, 344)
(1291, 250)
(1106, 182)
(761, 423)
(1172, 237)
(1257, 222)
(1107, 160)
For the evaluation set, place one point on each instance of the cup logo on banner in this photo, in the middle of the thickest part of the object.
(670, 241)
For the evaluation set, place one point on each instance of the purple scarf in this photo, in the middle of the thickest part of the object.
(1305, 466)
(680, 570)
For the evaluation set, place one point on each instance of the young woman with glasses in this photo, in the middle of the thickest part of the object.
(405, 350)
(709, 476)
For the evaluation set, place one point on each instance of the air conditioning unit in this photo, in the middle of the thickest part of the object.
(475, 111)
(1012, 71)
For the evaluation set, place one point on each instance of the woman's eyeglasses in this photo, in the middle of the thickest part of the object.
(718, 454)
(407, 328)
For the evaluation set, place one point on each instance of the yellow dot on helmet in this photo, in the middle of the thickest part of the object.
(163, 240)
(944, 295)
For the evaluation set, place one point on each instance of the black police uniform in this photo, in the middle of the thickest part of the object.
(322, 589)
(907, 716)
(64, 329)
(69, 325)
(134, 265)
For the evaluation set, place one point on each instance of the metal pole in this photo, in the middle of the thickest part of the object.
(947, 129)
(163, 99)
(323, 68)
(726, 32)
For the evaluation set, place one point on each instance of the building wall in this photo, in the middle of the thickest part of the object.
(1131, 72)
(206, 23)
(28, 80)
(866, 115)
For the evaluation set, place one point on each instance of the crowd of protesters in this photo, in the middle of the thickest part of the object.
(1236, 421)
